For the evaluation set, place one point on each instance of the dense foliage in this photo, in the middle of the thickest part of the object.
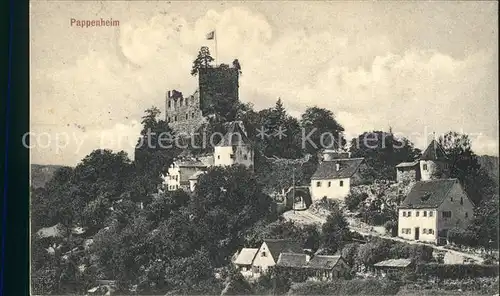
(382, 152)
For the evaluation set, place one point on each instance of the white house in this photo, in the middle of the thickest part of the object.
(179, 173)
(269, 252)
(333, 178)
(432, 208)
(234, 148)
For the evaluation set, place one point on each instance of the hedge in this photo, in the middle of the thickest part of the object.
(457, 271)
(346, 287)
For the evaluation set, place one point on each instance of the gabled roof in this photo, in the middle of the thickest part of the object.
(326, 262)
(434, 152)
(278, 246)
(328, 169)
(394, 263)
(246, 256)
(235, 135)
(292, 260)
(407, 164)
(428, 194)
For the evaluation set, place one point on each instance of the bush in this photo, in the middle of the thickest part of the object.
(391, 227)
(456, 271)
(353, 200)
(462, 237)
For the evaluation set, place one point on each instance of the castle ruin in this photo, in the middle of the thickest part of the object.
(217, 89)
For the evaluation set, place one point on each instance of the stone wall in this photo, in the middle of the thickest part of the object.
(183, 114)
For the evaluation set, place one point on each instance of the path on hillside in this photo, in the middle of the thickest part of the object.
(308, 217)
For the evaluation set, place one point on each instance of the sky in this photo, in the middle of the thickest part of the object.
(416, 67)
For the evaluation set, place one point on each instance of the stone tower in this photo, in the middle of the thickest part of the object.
(433, 163)
(217, 89)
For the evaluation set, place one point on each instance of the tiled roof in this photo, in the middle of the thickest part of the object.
(407, 164)
(246, 256)
(323, 262)
(394, 263)
(278, 246)
(434, 152)
(235, 135)
(428, 194)
(292, 260)
(328, 169)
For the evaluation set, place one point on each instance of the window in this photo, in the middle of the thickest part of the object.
(424, 167)
(466, 215)
(245, 157)
(218, 156)
(231, 156)
(169, 104)
(192, 115)
(409, 213)
(451, 198)
(318, 184)
(186, 116)
(329, 184)
(341, 183)
(431, 231)
(263, 254)
(417, 213)
(424, 231)
(461, 201)
(175, 118)
(425, 213)
(431, 213)
(446, 214)
(404, 214)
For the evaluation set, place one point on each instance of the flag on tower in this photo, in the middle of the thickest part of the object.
(211, 35)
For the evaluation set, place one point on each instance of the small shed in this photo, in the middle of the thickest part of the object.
(327, 267)
(393, 266)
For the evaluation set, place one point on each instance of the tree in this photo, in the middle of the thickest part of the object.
(485, 223)
(372, 252)
(203, 60)
(227, 202)
(382, 151)
(349, 253)
(335, 232)
(464, 165)
(321, 130)
(154, 153)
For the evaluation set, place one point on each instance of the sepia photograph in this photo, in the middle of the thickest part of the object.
(263, 148)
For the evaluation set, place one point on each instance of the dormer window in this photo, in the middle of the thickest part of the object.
(425, 197)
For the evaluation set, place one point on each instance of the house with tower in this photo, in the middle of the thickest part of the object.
(431, 165)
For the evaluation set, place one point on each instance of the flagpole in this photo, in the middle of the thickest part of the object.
(215, 39)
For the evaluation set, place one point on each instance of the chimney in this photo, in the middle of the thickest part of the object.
(337, 166)
(308, 257)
